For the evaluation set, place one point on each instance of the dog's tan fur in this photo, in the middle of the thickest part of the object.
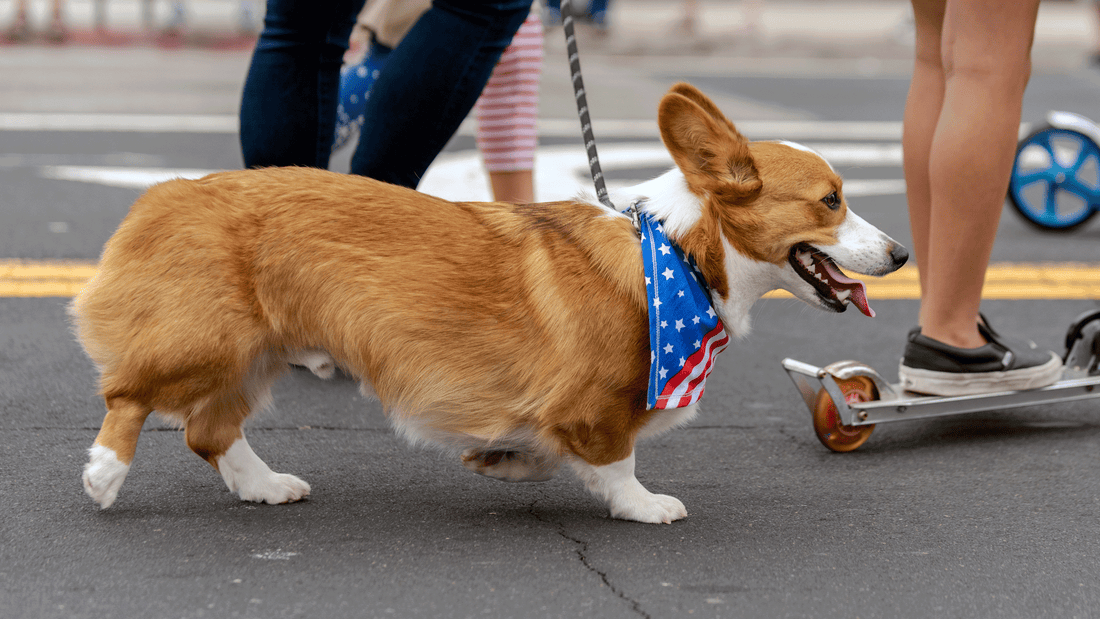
(476, 323)
(550, 319)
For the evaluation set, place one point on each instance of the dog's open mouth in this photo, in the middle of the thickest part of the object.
(834, 287)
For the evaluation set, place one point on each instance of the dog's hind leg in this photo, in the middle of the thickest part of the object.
(511, 465)
(213, 431)
(110, 456)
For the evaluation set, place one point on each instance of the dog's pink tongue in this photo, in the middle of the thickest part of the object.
(841, 281)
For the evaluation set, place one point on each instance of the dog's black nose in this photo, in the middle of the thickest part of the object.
(899, 255)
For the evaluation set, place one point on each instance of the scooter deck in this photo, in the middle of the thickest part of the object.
(895, 404)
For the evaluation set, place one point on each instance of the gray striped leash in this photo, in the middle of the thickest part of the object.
(582, 103)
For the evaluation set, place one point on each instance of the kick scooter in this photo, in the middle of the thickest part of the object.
(847, 398)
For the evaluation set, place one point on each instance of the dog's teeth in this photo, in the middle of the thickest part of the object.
(806, 260)
(843, 295)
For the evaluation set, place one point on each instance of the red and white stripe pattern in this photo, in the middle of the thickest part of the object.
(686, 387)
(508, 108)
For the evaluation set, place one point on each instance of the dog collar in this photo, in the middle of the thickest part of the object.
(685, 333)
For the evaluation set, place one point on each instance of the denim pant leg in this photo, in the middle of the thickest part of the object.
(288, 108)
(431, 82)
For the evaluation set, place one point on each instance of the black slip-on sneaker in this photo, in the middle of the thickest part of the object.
(1002, 364)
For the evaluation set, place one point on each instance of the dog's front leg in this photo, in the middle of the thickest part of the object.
(625, 495)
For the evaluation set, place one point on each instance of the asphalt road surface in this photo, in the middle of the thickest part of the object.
(985, 515)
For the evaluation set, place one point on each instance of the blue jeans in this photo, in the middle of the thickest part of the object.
(290, 94)
(431, 82)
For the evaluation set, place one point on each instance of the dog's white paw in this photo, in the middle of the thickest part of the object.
(626, 497)
(510, 465)
(648, 507)
(247, 475)
(274, 489)
(103, 475)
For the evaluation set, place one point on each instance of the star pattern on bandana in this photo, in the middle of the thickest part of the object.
(685, 333)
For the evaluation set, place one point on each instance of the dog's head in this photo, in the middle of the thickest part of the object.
(770, 214)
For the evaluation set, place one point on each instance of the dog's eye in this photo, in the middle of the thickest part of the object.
(832, 201)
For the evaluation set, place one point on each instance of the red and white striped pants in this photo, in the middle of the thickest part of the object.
(508, 108)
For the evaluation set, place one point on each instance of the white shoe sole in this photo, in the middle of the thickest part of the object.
(950, 384)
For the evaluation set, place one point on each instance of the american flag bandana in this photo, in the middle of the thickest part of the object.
(685, 334)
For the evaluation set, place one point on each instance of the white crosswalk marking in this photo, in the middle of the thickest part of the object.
(561, 171)
(547, 127)
(92, 122)
(127, 177)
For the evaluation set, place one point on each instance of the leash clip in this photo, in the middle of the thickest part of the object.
(635, 216)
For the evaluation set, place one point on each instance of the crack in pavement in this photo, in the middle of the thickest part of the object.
(582, 554)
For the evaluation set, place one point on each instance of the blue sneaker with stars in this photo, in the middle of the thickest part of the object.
(355, 84)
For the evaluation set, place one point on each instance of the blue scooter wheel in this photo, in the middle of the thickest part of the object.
(1055, 183)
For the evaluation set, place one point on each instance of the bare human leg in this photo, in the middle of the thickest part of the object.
(957, 196)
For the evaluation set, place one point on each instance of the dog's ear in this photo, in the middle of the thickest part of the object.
(712, 154)
(696, 95)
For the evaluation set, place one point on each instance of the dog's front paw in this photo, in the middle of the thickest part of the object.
(648, 507)
(274, 489)
(103, 475)
(248, 476)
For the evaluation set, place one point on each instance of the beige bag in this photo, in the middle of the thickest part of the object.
(390, 20)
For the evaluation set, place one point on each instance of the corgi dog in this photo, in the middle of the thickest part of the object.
(514, 336)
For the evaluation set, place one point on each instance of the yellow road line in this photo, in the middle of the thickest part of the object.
(43, 279)
(1004, 280)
